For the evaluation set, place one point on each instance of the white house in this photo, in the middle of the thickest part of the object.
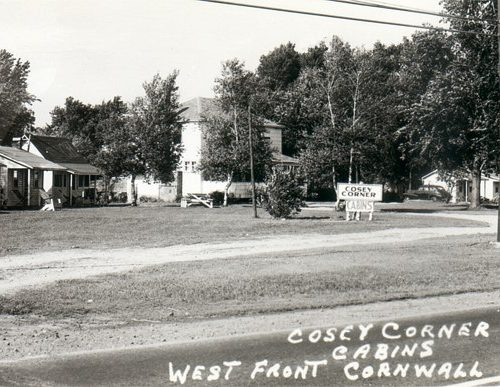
(188, 177)
(460, 188)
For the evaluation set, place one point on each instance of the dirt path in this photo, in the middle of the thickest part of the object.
(21, 271)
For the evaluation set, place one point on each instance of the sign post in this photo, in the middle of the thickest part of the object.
(359, 198)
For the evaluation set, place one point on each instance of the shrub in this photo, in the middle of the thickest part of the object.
(283, 196)
(148, 199)
(218, 197)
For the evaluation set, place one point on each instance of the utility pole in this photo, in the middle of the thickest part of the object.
(498, 129)
(252, 177)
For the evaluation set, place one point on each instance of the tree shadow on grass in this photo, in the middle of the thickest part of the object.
(310, 217)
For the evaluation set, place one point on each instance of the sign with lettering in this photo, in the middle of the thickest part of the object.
(365, 192)
(359, 206)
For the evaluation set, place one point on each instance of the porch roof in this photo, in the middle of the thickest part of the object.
(80, 168)
(28, 160)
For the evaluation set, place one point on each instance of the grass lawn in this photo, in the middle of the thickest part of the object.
(227, 287)
(107, 227)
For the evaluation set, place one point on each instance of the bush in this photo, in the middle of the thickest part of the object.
(218, 197)
(283, 196)
(391, 197)
(148, 199)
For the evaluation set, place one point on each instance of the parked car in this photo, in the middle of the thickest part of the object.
(428, 192)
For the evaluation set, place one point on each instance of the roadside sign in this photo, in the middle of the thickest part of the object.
(365, 192)
(359, 206)
(359, 198)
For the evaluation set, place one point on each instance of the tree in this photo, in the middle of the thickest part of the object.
(14, 97)
(457, 118)
(283, 195)
(143, 139)
(280, 67)
(92, 129)
(151, 138)
(325, 94)
(225, 151)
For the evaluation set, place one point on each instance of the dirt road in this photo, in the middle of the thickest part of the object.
(21, 271)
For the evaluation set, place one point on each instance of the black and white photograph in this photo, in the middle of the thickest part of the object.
(249, 193)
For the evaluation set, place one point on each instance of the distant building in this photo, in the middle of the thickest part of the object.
(192, 180)
(188, 177)
(22, 176)
(76, 183)
(461, 188)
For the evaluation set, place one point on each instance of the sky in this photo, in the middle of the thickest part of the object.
(94, 50)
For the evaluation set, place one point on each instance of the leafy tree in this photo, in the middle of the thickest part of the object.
(325, 94)
(91, 128)
(143, 139)
(422, 58)
(225, 154)
(280, 67)
(14, 97)
(283, 195)
(457, 118)
(151, 139)
(314, 57)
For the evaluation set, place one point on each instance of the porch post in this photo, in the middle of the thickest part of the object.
(29, 187)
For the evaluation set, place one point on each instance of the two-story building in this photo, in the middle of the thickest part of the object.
(188, 176)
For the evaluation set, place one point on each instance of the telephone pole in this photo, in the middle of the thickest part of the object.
(252, 177)
(498, 129)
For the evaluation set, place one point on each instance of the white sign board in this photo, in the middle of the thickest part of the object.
(359, 192)
(359, 206)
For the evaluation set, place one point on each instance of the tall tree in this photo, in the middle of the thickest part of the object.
(225, 154)
(457, 118)
(280, 67)
(153, 132)
(326, 91)
(14, 97)
(91, 128)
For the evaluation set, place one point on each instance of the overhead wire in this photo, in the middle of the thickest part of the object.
(350, 18)
(407, 9)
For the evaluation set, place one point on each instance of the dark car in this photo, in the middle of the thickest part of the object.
(428, 192)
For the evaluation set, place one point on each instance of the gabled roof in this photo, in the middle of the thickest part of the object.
(197, 107)
(57, 149)
(200, 106)
(27, 159)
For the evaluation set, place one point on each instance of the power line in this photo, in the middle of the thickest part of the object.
(287, 10)
(412, 10)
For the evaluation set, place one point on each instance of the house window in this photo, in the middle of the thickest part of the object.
(186, 166)
(60, 180)
(496, 187)
(193, 166)
(83, 181)
(15, 179)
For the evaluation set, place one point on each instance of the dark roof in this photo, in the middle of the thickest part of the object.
(199, 106)
(27, 159)
(57, 149)
(81, 169)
